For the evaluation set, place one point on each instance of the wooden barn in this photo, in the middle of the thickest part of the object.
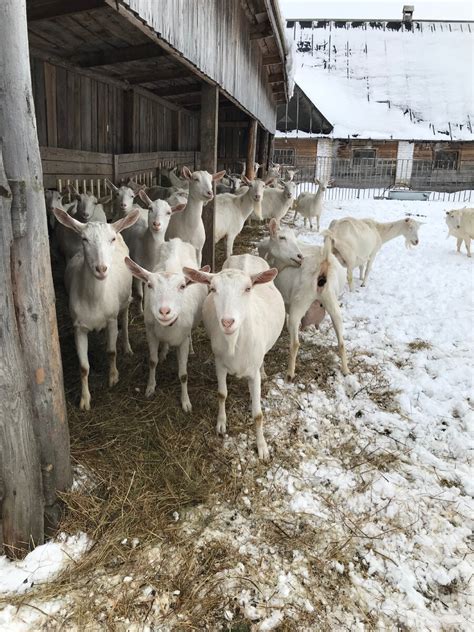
(111, 89)
(124, 88)
(368, 119)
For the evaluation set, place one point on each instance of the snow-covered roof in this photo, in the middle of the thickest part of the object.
(371, 82)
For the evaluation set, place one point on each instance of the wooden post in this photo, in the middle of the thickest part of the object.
(209, 123)
(128, 121)
(263, 153)
(21, 496)
(30, 280)
(251, 147)
(271, 138)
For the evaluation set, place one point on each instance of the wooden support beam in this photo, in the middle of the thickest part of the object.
(157, 74)
(178, 91)
(270, 60)
(47, 9)
(278, 78)
(261, 34)
(251, 147)
(262, 155)
(233, 124)
(209, 128)
(117, 56)
(128, 121)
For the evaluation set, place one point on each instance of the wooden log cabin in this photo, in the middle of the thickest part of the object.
(368, 109)
(125, 87)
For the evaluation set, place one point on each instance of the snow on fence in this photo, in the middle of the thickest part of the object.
(372, 177)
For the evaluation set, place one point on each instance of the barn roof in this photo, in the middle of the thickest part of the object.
(374, 79)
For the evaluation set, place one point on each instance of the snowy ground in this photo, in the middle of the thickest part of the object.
(363, 516)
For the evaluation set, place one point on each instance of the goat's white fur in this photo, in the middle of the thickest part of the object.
(173, 308)
(243, 316)
(99, 287)
(188, 225)
(232, 211)
(356, 242)
(310, 205)
(460, 224)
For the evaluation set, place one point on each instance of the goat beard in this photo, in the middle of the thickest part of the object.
(257, 209)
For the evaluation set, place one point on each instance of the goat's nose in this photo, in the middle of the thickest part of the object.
(227, 322)
(164, 311)
(299, 256)
(258, 197)
(101, 269)
(156, 225)
(210, 194)
(123, 206)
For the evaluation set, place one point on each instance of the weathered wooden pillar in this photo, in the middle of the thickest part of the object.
(271, 138)
(128, 134)
(262, 158)
(251, 148)
(30, 280)
(21, 494)
(209, 125)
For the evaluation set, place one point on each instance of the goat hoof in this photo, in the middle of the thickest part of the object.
(290, 378)
(263, 452)
(113, 379)
(150, 391)
(221, 428)
(186, 406)
(128, 350)
(85, 404)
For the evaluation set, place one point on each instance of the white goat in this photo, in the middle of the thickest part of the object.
(99, 286)
(188, 225)
(356, 242)
(309, 285)
(232, 211)
(54, 199)
(123, 199)
(173, 308)
(146, 237)
(277, 201)
(461, 225)
(310, 205)
(243, 315)
(85, 209)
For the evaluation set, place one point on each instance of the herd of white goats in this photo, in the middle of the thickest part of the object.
(159, 244)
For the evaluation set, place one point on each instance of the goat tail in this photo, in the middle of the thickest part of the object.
(328, 243)
(325, 265)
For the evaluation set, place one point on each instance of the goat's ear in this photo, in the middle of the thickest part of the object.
(178, 208)
(111, 186)
(187, 173)
(203, 269)
(144, 197)
(66, 220)
(264, 277)
(127, 221)
(105, 199)
(246, 181)
(218, 176)
(137, 271)
(198, 276)
(273, 227)
(269, 181)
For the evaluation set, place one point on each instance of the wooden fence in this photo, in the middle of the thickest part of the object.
(89, 170)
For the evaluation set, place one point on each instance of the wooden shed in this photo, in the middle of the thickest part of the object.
(125, 87)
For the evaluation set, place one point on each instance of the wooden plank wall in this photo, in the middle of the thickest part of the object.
(86, 168)
(220, 47)
(74, 111)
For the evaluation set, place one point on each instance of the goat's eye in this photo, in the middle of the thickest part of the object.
(247, 289)
(169, 213)
(182, 286)
(282, 238)
(212, 289)
(195, 179)
(85, 240)
(112, 240)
